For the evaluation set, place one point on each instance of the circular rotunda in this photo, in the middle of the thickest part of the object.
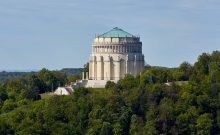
(115, 54)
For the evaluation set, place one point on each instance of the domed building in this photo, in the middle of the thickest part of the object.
(114, 54)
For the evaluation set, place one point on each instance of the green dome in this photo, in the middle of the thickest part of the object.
(116, 32)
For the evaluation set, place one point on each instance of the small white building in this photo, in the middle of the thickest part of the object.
(63, 91)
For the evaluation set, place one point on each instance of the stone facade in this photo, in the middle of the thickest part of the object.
(114, 54)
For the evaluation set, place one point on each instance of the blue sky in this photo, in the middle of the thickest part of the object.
(58, 33)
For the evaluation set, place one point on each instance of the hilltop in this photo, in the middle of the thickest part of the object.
(135, 105)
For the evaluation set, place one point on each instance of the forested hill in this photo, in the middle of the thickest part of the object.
(11, 75)
(142, 105)
(72, 71)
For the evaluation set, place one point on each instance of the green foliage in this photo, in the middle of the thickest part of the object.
(5, 128)
(51, 80)
(145, 104)
(184, 72)
(204, 124)
(30, 86)
(72, 78)
(106, 129)
(110, 85)
(149, 128)
(95, 127)
(11, 75)
(134, 125)
(155, 75)
(3, 96)
(128, 82)
(72, 71)
(19, 91)
(86, 68)
(186, 122)
(8, 106)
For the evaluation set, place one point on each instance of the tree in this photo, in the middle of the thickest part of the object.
(86, 68)
(117, 129)
(3, 96)
(134, 105)
(106, 129)
(185, 71)
(149, 128)
(128, 82)
(153, 75)
(8, 105)
(110, 85)
(72, 78)
(214, 73)
(204, 124)
(95, 127)
(5, 128)
(51, 80)
(201, 68)
(166, 117)
(203, 103)
(186, 122)
(182, 124)
(134, 125)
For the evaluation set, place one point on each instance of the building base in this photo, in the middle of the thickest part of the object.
(91, 83)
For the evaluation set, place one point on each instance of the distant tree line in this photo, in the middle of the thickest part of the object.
(70, 72)
(10, 75)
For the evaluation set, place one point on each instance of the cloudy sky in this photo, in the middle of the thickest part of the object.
(57, 33)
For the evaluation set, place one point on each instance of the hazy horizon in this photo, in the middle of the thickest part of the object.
(56, 34)
(32, 70)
